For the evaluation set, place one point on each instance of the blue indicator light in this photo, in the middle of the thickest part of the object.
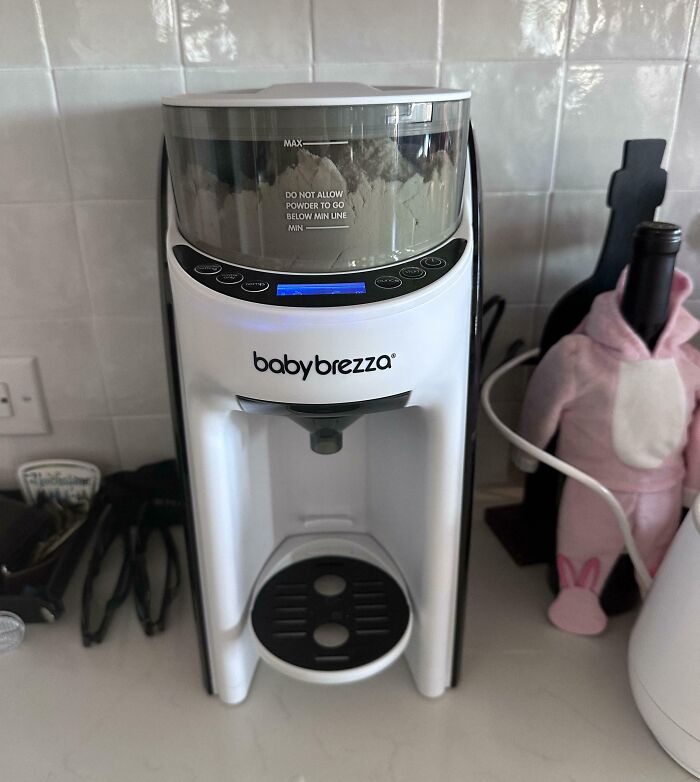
(320, 288)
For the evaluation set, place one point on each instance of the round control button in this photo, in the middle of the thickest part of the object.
(432, 262)
(412, 273)
(387, 282)
(207, 268)
(255, 286)
(229, 278)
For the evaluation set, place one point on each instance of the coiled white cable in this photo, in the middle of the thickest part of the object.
(562, 466)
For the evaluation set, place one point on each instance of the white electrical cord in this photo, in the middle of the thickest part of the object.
(567, 469)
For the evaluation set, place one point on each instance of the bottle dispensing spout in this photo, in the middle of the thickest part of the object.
(327, 432)
(326, 441)
(325, 422)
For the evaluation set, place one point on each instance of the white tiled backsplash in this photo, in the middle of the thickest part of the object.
(557, 87)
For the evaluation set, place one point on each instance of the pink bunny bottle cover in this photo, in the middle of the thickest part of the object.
(624, 401)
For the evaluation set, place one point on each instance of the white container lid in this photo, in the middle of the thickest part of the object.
(316, 94)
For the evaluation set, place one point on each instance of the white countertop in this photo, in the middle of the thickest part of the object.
(533, 704)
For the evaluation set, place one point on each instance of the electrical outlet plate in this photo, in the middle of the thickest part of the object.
(24, 411)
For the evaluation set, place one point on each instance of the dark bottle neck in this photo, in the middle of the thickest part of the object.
(645, 300)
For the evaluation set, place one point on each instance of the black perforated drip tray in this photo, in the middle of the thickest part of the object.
(330, 613)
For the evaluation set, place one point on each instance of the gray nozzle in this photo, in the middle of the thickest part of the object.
(325, 423)
(326, 441)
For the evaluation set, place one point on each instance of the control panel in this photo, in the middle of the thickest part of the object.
(323, 290)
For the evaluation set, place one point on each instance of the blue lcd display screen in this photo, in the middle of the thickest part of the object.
(320, 288)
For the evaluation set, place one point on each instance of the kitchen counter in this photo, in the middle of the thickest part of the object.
(533, 704)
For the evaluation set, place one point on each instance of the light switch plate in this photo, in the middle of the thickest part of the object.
(25, 411)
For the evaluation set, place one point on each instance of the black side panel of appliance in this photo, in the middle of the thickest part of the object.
(472, 409)
(168, 316)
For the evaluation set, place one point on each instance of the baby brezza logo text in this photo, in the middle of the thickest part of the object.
(339, 366)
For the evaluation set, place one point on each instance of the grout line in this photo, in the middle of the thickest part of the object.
(439, 73)
(20, 68)
(66, 419)
(79, 318)
(312, 40)
(155, 67)
(674, 127)
(555, 154)
(248, 69)
(178, 31)
(546, 220)
(560, 59)
(683, 190)
(506, 193)
(562, 91)
(115, 200)
(58, 319)
(546, 217)
(43, 202)
(693, 21)
(71, 187)
(95, 67)
(100, 364)
(42, 33)
(140, 416)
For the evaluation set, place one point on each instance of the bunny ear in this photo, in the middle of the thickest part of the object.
(567, 574)
(589, 574)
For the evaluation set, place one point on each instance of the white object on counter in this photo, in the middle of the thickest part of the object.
(664, 652)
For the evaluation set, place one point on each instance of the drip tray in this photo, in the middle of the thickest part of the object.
(339, 617)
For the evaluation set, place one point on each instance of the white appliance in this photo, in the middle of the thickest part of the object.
(664, 650)
(321, 291)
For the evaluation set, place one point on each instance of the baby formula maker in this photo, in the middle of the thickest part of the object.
(320, 285)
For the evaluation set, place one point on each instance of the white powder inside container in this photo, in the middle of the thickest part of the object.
(390, 210)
